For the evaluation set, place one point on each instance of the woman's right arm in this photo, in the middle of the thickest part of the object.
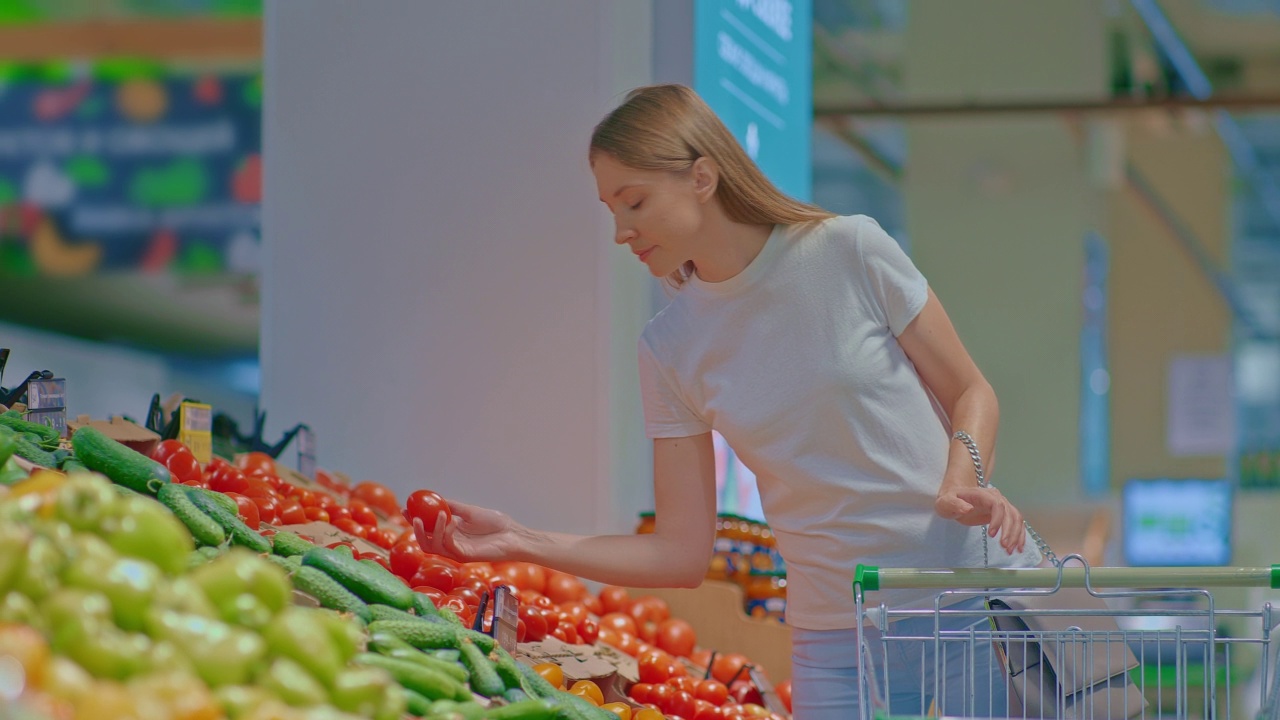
(676, 554)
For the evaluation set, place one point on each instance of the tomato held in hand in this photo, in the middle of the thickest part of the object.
(426, 506)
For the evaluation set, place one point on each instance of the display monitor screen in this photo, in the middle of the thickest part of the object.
(1177, 522)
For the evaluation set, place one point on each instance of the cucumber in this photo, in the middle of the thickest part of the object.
(289, 544)
(507, 670)
(33, 453)
(288, 564)
(203, 528)
(515, 695)
(386, 612)
(450, 654)
(240, 534)
(484, 677)
(448, 615)
(427, 683)
(8, 444)
(526, 709)
(384, 643)
(224, 500)
(423, 606)
(426, 635)
(416, 704)
(452, 710)
(120, 464)
(50, 438)
(452, 669)
(329, 592)
(367, 585)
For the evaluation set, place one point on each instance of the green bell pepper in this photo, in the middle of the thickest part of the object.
(85, 502)
(241, 584)
(292, 684)
(145, 529)
(220, 653)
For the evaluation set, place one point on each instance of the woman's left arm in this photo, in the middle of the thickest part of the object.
(931, 343)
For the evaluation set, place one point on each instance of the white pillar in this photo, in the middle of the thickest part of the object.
(442, 300)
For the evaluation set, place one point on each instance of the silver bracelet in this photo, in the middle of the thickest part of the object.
(972, 447)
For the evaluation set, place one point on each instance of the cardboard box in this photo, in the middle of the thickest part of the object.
(127, 433)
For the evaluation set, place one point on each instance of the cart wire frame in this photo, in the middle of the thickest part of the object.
(1185, 665)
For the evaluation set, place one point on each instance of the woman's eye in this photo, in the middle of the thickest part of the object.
(637, 205)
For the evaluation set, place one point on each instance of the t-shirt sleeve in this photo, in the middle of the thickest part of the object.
(666, 415)
(898, 290)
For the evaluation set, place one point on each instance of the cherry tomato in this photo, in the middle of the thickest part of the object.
(649, 609)
(550, 672)
(681, 703)
(704, 710)
(381, 537)
(436, 596)
(657, 667)
(256, 462)
(248, 510)
(683, 682)
(346, 525)
(377, 495)
(589, 631)
(469, 596)
(455, 604)
(566, 633)
(426, 506)
(291, 513)
(316, 514)
(337, 512)
(342, 543)
(257, 487)
(361, 512)
(618, 621)
(378, 559)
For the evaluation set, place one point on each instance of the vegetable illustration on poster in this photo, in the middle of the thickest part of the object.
(129, 170)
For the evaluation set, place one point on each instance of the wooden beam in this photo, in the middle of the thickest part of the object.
(169, 39)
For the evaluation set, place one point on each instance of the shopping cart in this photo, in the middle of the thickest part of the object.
(1145, 642)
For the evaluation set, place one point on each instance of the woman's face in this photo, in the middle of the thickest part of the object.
(657, 214)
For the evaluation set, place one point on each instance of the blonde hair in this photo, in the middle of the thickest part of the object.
(668, 127)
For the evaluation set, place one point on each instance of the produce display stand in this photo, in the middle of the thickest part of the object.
(208, 628)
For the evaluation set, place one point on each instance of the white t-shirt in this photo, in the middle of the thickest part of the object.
(795, 361)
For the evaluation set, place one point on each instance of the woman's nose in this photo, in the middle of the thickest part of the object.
(623, 235)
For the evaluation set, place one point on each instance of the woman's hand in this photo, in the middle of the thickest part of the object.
(984, 506)
(473, 534)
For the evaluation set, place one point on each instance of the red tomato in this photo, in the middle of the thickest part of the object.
(613, 599)
(306, 498)
(589, 631)
(343, 543)
(456, 604)
(707, 711)
(745, 692)
(656, 667)
(256, 463)
(649, 608)
(406, 558)
(568, 633)
(426, 506)
(248, 510)
(784, 693)
(337, 512)
(683, 682)
(563, 587)
(316, 514)
(701, 658)
(167, 448)
(268, 509)
(681, 703)
(576, 611)
(291, 513)
(534, 621)
(361, 513)
(436, 596)
(346, 525)
(257, 487)
(380, 537)
(227, 480)
(183, 467)
(640, 692)
(469, 596)
(593, 604)
(441, 577)
(619, 622)
(677, 637)
(726, 666)
(378, 559)
(660, 694)
(713, 691)
(376, 495)
(647, 631)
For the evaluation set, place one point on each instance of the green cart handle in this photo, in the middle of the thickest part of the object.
(870, 578)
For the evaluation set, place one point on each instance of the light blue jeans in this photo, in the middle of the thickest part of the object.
(824, 672)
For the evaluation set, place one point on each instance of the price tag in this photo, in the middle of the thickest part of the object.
(307, 452)
(506, 617)
(195, 429)
(47, 403)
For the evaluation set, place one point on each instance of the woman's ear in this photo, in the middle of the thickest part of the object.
(706, 176)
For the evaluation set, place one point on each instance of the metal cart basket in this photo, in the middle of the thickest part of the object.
(1066, 642)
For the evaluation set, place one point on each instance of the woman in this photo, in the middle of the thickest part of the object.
(816, 348)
